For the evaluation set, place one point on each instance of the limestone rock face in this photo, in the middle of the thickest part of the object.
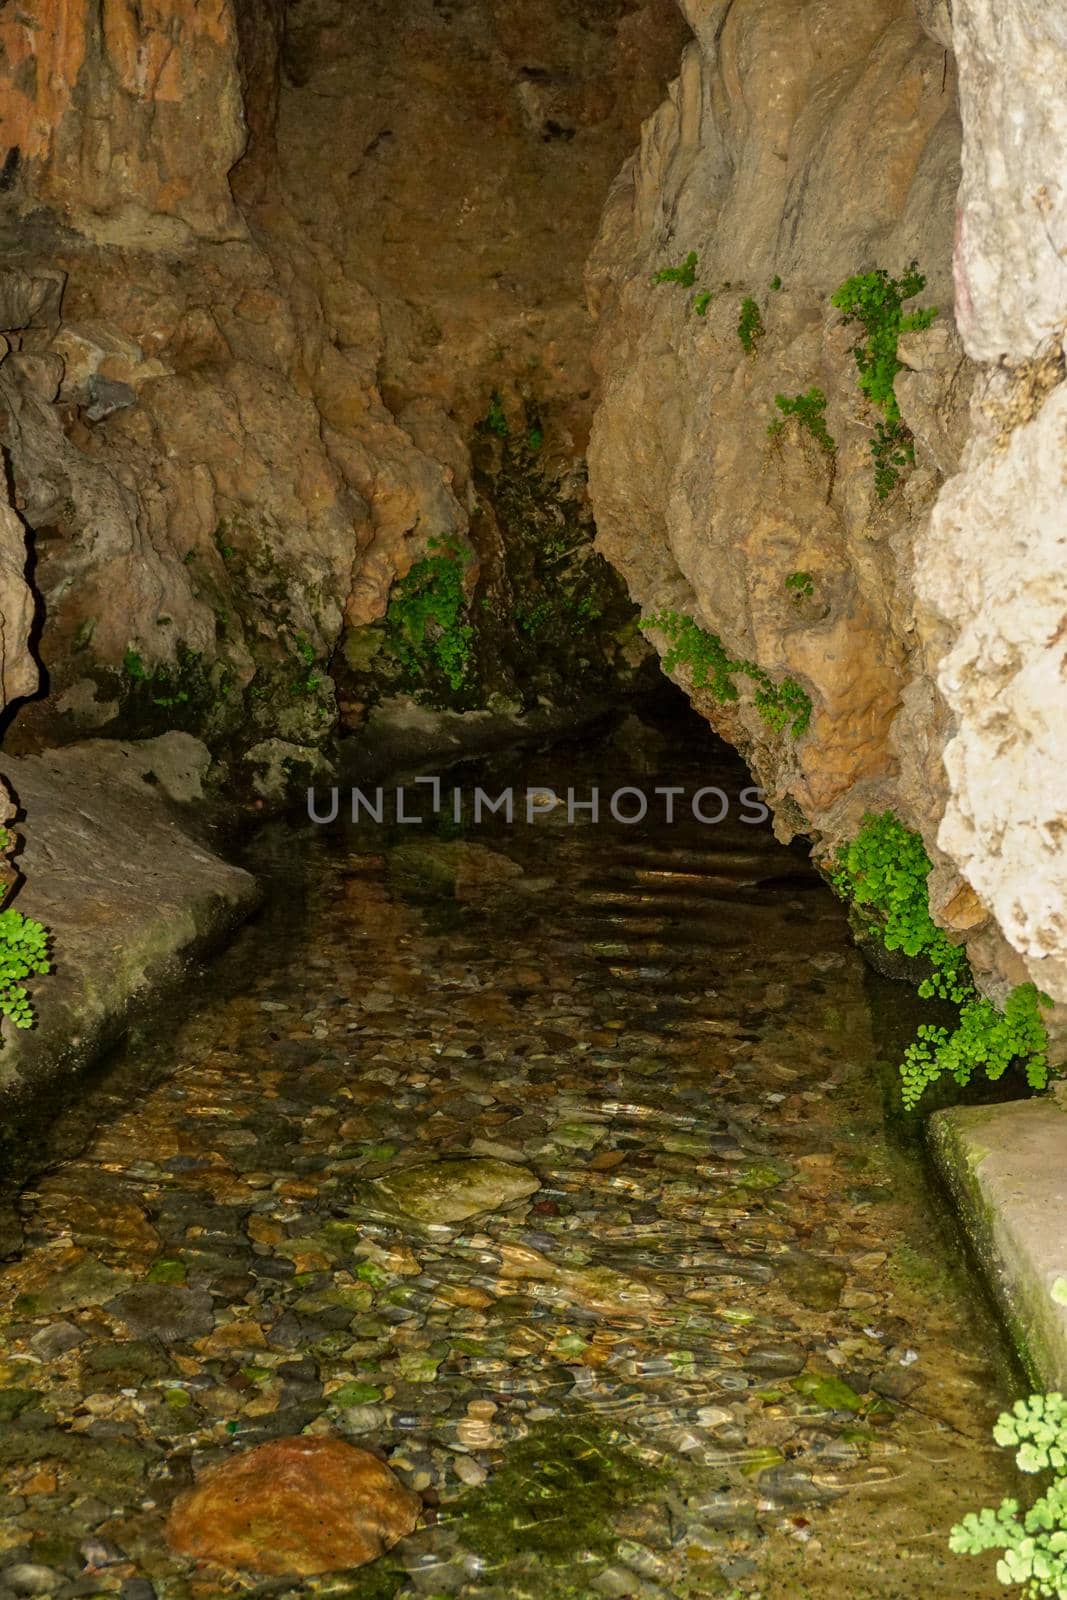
(799, 145)
(991, 563)
(153, 169)
(200, 520)
(1011, 255)
(22, 297)
(767, 163)
(263, 268)
(294, 1506)
(18, 670)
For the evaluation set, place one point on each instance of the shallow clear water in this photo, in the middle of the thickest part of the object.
(726, 1268)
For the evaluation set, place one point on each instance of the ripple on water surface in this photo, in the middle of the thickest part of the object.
(688, 1328)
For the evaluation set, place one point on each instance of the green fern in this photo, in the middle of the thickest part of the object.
(780, 705)
(686, 274)
(985, 1040)
(884, 872)
(876, 302)
(426, 618)
(495, 420)
(23, 954)
(750, 329)
(810, 411)
(1034, 1544)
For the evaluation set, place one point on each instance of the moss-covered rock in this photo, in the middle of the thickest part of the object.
(555, 1499)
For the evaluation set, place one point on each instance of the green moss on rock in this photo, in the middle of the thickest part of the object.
(556, 1497)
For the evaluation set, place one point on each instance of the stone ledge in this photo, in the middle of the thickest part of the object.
(113, 869)
(1006, 1168)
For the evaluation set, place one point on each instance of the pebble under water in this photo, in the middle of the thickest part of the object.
(725, 1348)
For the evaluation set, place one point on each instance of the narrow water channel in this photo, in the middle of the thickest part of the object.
(713, 1341)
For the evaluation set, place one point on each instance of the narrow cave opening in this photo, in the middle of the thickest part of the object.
(502, 589)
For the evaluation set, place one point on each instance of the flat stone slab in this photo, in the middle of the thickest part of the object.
(111, 868)
(1006, 1167)
(456, 1188)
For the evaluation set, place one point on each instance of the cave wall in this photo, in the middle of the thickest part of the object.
(802, 144)
(260, 271)
(267, 270)
(991, 561)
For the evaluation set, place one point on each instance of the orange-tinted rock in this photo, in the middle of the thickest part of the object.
(301, 1505)
(168, 77)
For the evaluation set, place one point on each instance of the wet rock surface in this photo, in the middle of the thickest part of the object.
(711, 1345)
(129, 895)
(294, 1505)
(452, 1191)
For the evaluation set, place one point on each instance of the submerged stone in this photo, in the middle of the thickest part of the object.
(814, 1284)
(454, 1189)
(127, 1361)
(776, 1360)
(165, 1311)
(29, 1578)
(70, 1283)
(53, 1341)
(833, 1394)
(451, 866)
(14, 1401)
(294, 1506)
(558, 1493)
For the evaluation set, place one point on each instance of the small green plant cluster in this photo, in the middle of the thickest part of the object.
(183, 692)
(893, 450)
(810, 411)
(133, 666)
(876, 302)
(885, 869)
(23, 954)
(164, 687)
(495, 419)
(307, 679)
(224, 548)
(780, 705)
(750, 327)
(686, 274)
(1034, 1544)
(985, 1039)
(531, 616)
(801, 585)
(884, 872)
(426, 619)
